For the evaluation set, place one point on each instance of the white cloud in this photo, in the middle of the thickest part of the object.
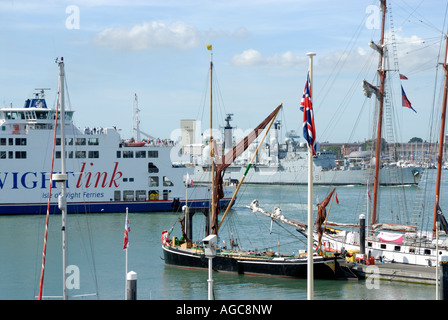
(252, 57)
(248, 57)
(415, 54)
(155, 35)
(361, 51)
(150, 35)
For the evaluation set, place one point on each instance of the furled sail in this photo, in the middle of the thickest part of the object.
(394, 227)
(322, 214)
(277, 216)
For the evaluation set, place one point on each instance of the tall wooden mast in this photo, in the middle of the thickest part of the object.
(382, 75)
(441, 139)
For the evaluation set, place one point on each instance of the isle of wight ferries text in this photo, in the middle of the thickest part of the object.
(87, 178)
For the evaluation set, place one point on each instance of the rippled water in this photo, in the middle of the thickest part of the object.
(95, 246)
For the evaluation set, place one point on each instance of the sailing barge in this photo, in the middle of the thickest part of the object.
(185, 253)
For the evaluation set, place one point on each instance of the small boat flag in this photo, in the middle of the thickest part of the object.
(209, 47)
(309, 130)
(127, 229)
(403, 77)
(405, 101)
(336, 198)
(188, 180)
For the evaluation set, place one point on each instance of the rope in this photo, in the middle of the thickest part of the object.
(44, 251)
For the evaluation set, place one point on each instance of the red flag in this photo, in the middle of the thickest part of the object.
(403, 77)
(127, 229)
(405, 101)
(336, 197)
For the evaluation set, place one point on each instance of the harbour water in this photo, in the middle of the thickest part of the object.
(97, 259)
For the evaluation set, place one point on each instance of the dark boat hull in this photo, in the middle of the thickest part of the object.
(324, 267)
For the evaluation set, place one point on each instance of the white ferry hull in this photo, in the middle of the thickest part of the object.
(104, 173)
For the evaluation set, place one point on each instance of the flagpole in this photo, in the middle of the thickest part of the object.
(310, 273)
(126, 259)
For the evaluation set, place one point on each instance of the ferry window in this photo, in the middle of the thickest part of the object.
(10, 141)
(70, 154)
(16, 115)
(153, 195)
(58, 141)
(80, 141)
(167, 182)
(140, 195)
(140, 154)
(128, 154)
(369, 244)
(93, 141)
(3, 142)
(427, 251)
(69, 141)
(383, 246)
(117, 195)
(2, 154)
(10, 155)
(131, 179)
(80, 154)
(411, 250)
(128, 195)
(94, 154)
(152, 168)
(68, 115)
(153, 154)
(20, 141)
(125, 179)
(153, 181)
(118, 154)
(166, 193)
(41, 115)
(397, 248)
(20, 154)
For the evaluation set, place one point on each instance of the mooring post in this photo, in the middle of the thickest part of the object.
(131, 286)
(362, 234)
(444, 278)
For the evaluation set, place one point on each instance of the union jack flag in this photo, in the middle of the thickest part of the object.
(309, 130)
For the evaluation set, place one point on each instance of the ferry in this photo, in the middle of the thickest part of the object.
(105, 173)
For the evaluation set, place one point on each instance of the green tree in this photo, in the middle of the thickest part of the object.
(371, 144)
(415, 139)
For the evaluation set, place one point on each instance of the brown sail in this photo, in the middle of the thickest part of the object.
(322, 215)
(225, 161)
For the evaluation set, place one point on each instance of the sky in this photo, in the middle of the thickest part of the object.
(157, 50)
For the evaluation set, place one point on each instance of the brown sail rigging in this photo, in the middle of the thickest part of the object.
(223, 162)
(322, 215)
